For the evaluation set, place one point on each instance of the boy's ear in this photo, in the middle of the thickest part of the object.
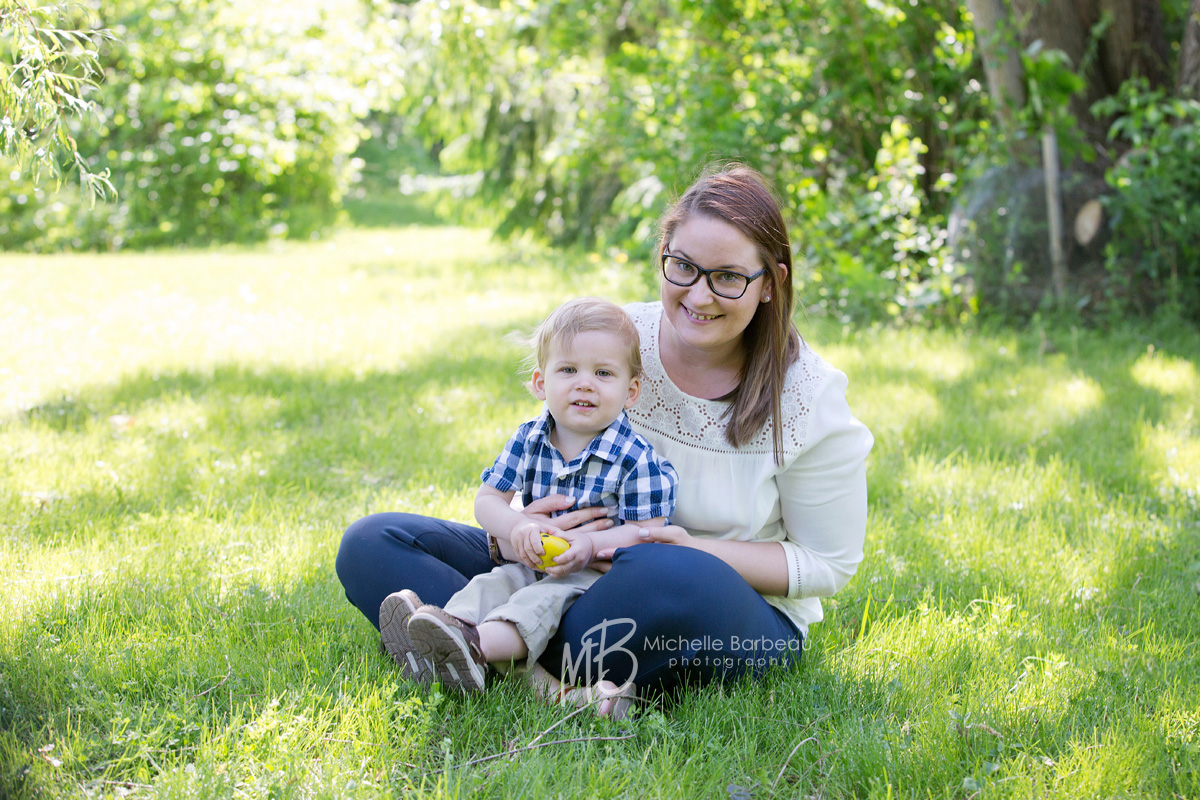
(537, 384)
(635, 391)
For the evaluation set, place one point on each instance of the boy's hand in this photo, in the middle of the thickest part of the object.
(526, 540)
(577, 556)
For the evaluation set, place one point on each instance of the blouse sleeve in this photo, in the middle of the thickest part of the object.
(823, 496)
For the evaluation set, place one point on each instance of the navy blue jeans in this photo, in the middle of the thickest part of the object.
(663, 615)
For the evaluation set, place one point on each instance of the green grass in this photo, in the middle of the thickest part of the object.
(184, 436)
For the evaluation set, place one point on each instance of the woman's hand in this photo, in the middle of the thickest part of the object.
(664, 534)
(581, 520)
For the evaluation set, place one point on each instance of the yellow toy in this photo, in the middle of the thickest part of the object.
(552, 546)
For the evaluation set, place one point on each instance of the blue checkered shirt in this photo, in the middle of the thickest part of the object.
(618, 469)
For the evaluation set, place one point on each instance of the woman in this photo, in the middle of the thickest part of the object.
(772, 501)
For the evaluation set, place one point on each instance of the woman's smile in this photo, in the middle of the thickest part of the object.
(697, 316)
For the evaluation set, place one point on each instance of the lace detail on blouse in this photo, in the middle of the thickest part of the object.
(665, 409)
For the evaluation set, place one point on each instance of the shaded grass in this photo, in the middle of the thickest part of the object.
(185, 436)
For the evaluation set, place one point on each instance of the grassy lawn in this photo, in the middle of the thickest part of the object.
(184, 436)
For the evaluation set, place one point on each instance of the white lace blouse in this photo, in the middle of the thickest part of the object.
(814, 505)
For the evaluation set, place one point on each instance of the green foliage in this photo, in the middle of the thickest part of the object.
(576, 120)
(582, 119)
(48, 71)
(225, 120)
(881, 256)
(1153, 257)
(1051, 81)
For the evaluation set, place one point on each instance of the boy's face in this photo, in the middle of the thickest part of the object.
(587, 382)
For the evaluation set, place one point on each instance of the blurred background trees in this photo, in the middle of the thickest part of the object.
(896, 131)
(220, 120)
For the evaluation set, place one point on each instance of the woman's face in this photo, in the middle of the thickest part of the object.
(701, 318)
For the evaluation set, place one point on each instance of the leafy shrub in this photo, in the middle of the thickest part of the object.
(879, 254)
(1153, 257)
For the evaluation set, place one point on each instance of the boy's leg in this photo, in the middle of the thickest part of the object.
(387, 552)
(514, 629)
(665, 615)
(534, 612)
(501, 644)
(485, 592)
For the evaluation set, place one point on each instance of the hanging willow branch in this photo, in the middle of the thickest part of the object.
(49, 63)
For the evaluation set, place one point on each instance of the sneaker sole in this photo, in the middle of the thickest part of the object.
(441, 643)
(394, 613)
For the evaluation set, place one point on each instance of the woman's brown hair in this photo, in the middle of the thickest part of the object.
(741, 197)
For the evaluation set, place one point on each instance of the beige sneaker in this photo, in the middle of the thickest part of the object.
(394, 614)
(453, 647)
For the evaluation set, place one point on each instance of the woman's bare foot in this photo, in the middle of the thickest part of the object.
(609, 699)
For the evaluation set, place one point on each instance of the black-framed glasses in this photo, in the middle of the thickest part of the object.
(724, 282)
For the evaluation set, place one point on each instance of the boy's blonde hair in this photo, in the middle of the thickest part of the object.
(579, 316)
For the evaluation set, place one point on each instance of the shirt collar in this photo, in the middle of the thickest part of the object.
(542, 427)
(609, 443)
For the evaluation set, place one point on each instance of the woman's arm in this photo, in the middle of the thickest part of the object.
(763, 565)
(822, 504)
(823, 497)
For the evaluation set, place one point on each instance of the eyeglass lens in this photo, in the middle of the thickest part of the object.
(731, 285)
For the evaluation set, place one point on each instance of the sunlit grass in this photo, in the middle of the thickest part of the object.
(184, 436)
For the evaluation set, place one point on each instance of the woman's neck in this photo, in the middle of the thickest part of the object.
(708, 374)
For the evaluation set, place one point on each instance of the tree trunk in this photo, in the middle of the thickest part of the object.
(1134, 44)
(1188, 84)
(1117, 47)
(1001, 58)
(1151, 54)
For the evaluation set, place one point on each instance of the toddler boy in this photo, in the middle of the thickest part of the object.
(588, 371)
